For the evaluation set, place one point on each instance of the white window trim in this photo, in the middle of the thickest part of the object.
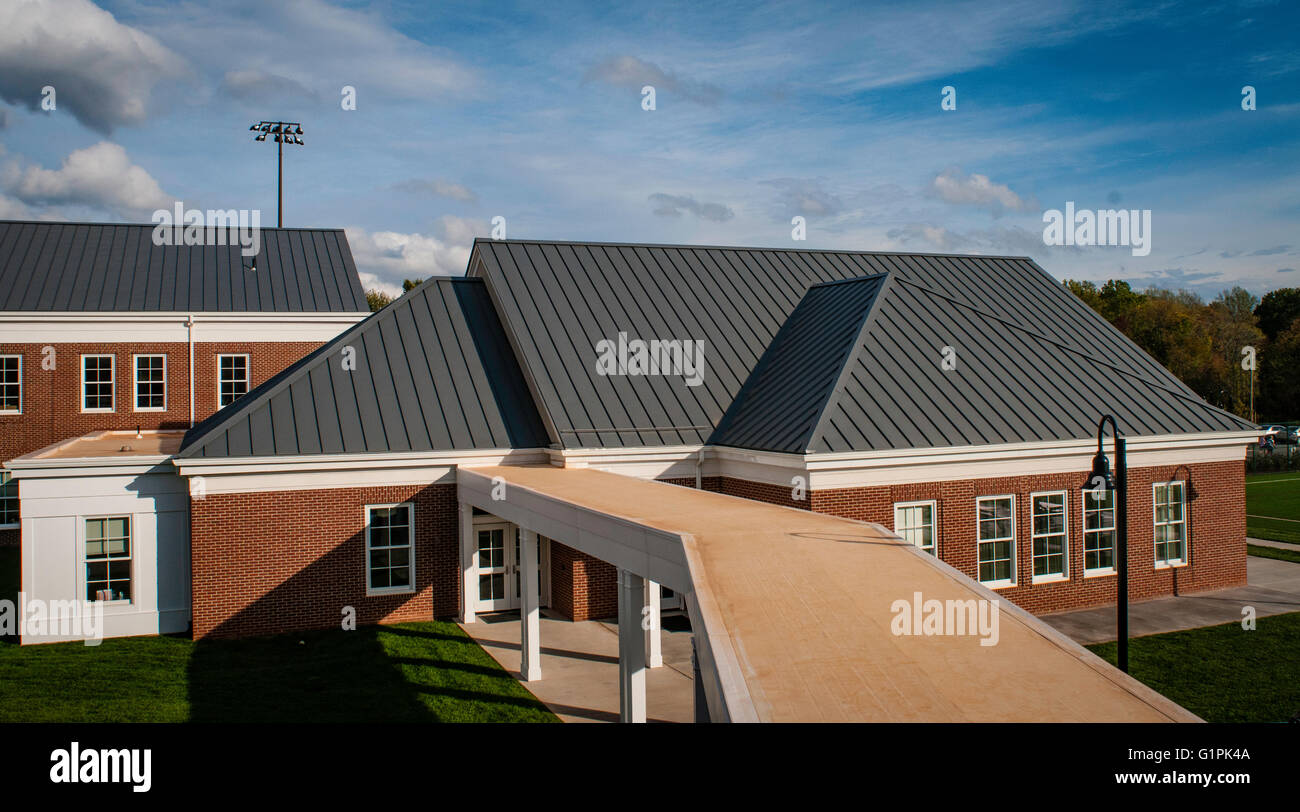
(19, 410)
(248, 377)
(1097, 572)
(135, 389)
(15, 525)
(1064, 575)
(81, 555)
(112, 383)
(1014, 568)
(934, 521)
(390, 590)
(1186, 523)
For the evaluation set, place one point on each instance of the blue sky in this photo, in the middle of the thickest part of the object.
(532, 112)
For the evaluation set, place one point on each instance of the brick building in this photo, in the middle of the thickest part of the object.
(101, 329)
(954, 400)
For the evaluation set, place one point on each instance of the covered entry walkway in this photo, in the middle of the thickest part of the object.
(796, 613)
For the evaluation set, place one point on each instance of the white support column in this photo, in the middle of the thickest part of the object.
(653, 651)
(469, 579)
(631, 647)
(530, 613)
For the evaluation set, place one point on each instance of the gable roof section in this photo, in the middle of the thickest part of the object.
(557, 300)
(782, 401)
(96, 267)
(433, 372)
(1007, 383)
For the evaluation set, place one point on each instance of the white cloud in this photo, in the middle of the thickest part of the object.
(385, 258)
(674, 205)
(634, 74)
(102, 71)
(438, 188)
(953, 186)
(100, 176)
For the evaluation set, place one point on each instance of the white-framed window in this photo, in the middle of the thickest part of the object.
(997, 540)
(151, 383)
(108, 558)
(11, 384)
(390, 548)
(1170, 523)
(8, 500)
(1098, 533)
(1050, 535)
(96, 383)
(232, 378)
(915, 522)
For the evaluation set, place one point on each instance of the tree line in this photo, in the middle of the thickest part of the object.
(1206, 343)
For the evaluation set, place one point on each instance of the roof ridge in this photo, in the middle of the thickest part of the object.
(19, 220)
(772, 248)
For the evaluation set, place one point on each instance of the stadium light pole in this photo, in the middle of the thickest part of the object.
(1098, 482)
(285, 132)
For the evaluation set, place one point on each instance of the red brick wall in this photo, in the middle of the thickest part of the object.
(270, 562)
(582, 587)
(1217, 529)
(52, 398)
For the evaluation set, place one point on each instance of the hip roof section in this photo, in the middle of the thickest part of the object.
(98, 268)
(430, 372)
(559, 300)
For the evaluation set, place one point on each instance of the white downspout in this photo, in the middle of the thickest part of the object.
(189, 322)
(699, 465)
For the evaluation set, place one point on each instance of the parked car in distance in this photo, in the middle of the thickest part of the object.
(1282, 435)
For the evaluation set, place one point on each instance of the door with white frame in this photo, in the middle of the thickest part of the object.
(498, 566)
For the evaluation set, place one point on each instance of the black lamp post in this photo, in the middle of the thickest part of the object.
(1099, 482)
(285, 132)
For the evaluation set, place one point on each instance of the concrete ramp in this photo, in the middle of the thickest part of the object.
(797, 616)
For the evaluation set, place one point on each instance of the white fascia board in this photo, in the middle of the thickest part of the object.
(70, 467)
(76, 328)
(652, 462)
(326, 471)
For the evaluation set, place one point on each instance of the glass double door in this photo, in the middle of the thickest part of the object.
(499, 567)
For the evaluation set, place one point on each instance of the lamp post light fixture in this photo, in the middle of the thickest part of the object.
(284, 132)
(1099, 482)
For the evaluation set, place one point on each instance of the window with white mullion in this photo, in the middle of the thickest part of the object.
(997, 540)
(97, 383)
(1170, 524)
(150, 383)
(915, 522)
(11, 384)
(1098, 532)
(1050, 536)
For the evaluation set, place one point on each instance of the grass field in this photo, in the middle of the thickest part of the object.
(1223, 673)
(411, 672)
(1273, 506)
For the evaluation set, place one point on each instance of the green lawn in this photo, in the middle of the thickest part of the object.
(410, 672)
(1223, 673)
(1276, 496)
(1273, 552)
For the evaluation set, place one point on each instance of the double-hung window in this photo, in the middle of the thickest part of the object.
(97, 383)
(390, 548)
(151, 383)
(1050, 536)
(1170, 524)
(915, 522)
(1098, 532)
(11, 384)
(108, 559)
(8, 500)
(997, 540)
(232, 378)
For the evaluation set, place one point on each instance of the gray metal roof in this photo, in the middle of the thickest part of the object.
(96, 267)
(433, 372)
(1006, 383)
(558, 300)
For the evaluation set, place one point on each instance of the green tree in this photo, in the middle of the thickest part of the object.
(377, 300)
(409, 285)
(1278, 310)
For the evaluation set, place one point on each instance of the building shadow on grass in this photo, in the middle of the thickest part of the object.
(421, 671)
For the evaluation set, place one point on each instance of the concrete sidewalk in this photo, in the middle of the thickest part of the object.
(580, 666)
(1273, 589)
(1277, 545)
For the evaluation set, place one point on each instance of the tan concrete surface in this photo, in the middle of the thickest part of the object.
(580, 667)
(806, 601)
(101, 444)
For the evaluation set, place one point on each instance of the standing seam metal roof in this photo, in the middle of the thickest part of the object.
(95, 267)
(557, 300)
(432, 372)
